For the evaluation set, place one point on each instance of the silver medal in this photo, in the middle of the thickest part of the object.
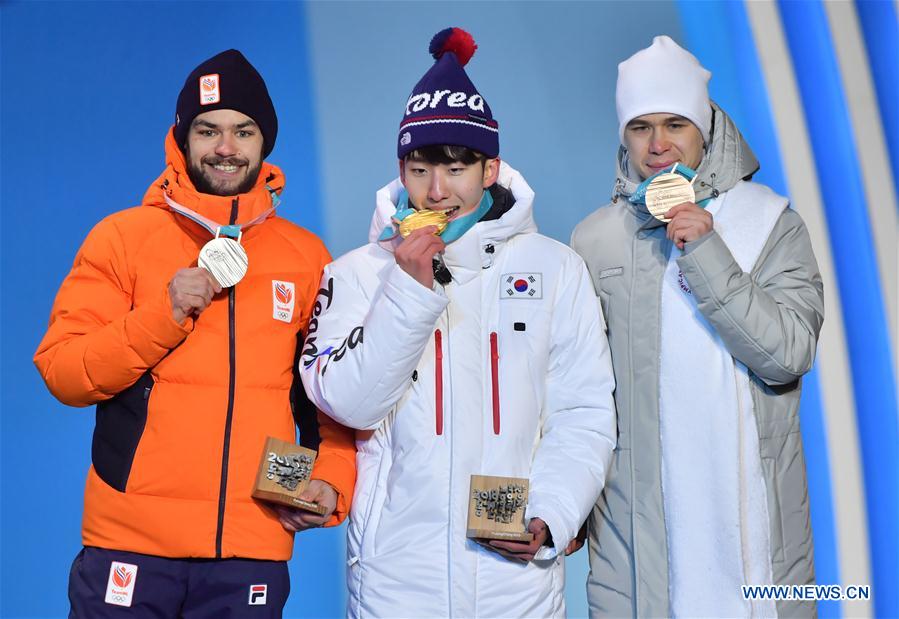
(225, 259)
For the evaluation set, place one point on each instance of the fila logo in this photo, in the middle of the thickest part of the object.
(209, 89)
(283, 297)
(258, 594)
(120, 587)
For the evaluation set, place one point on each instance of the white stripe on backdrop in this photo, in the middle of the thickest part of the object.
(833, 357)
(858, 88)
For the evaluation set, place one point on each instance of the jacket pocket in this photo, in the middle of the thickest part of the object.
(120, 425)
(608, 279)
(373, 467)
(769, 466)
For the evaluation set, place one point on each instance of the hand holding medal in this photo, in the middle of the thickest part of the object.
(688, 222)
(670, 198)
(191, 292)
(666, 191)
(415, 255)
(221, 264)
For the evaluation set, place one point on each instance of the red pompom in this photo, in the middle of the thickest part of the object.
(453, 40)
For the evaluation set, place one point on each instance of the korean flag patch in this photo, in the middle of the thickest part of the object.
(521, 286)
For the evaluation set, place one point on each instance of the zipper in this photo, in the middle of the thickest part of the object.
(494, 372)
(226, 448)
(450, 540)
(438, 376)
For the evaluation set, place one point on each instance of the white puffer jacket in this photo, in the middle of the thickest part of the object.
(476, 377)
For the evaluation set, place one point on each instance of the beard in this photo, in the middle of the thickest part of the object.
(205, 183)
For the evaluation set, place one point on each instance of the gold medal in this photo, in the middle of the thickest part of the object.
(667, 191)
(420, 219)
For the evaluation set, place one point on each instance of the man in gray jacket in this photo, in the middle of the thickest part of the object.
(713, 309)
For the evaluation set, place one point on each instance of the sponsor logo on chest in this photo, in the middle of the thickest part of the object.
(682, 282)
(283, 300)
(120, 586)
(521, 286)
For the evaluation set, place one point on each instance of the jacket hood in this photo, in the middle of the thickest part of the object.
(175, 182)
(517, 220)
(728, 160)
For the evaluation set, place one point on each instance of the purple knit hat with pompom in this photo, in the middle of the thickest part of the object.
(445, 107)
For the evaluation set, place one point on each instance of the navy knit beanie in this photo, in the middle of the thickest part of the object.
(445, 107)
(227, 81)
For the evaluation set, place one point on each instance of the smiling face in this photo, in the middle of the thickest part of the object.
(655, 142)
(224, 152)
(455, 188)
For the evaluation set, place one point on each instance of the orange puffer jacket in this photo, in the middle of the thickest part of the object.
(183, 410)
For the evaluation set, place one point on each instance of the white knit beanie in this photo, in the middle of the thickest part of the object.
(664, 78)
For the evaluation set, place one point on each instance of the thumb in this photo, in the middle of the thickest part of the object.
(216, 286)
(312, 492)
(537, 526)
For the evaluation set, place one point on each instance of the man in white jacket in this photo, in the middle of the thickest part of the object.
(478, 351)
(714, 303)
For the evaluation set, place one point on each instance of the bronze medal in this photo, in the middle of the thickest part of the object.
(667, 191)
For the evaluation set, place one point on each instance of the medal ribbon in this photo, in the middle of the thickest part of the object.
(233, 231)
(638, 198)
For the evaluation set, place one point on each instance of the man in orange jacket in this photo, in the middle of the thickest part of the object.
(191, 368)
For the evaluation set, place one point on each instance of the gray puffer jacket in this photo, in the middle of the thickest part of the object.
(768, 319)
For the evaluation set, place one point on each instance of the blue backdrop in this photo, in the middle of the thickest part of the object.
(87, 92)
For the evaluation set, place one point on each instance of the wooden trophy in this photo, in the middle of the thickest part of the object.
(496, 508)
(284, 473)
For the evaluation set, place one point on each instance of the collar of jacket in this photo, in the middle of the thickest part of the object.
(728, 160)
(503, 200)
(175, 181)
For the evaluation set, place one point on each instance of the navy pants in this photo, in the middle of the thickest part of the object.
(112, 583)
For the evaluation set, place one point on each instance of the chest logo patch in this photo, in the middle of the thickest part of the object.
(283, 297)
(521, 286)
